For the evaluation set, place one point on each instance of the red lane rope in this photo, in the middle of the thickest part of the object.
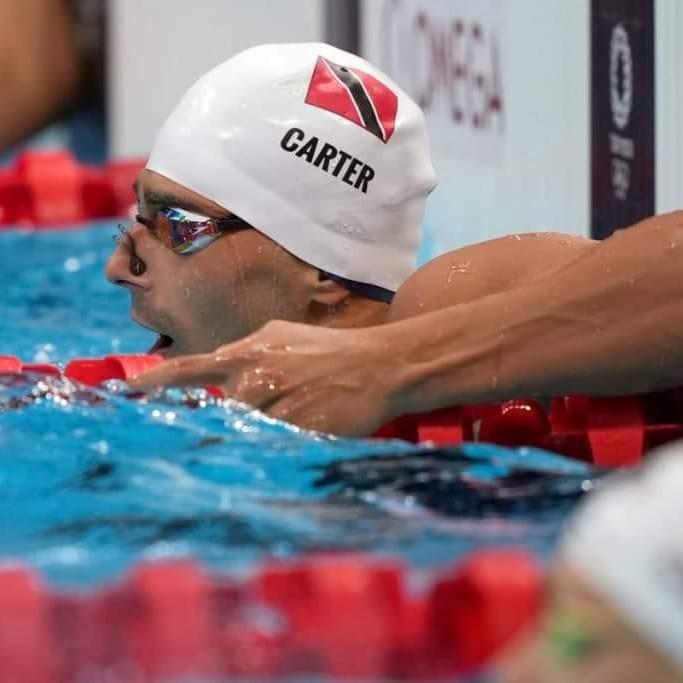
(50, 189)
(339, 615)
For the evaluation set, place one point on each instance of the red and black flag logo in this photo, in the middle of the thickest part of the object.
(355, 95)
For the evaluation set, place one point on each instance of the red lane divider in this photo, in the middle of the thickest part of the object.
(27, 645)
(41, 369)
(496, 594)
(44, 189)
(325, 604)
(169, 633)
(348, 616)
(10, 364)
(609, 432)
(14, 364)
(94, 371)
(89, 371)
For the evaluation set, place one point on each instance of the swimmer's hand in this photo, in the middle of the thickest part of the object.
(338, 381)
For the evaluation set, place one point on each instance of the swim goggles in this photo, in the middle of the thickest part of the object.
(185, 232)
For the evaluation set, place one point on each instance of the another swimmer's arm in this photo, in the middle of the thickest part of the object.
(611, 321)
(39, 65)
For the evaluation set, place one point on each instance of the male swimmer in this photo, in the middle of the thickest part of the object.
(289, 184)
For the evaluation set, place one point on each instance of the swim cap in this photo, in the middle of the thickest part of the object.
(628, 543)
(314, 147)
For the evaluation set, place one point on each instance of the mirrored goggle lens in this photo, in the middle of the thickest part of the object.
(185, 236)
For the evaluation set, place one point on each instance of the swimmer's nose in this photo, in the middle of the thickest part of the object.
(124, 267)
(117, 270)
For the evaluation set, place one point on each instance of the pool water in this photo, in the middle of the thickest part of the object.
(93, 480)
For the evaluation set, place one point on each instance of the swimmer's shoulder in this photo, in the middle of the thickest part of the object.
(478, 270)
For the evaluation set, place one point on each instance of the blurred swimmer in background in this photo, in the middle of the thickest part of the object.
(52, 62)
(614, 610)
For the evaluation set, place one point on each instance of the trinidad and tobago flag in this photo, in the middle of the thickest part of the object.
(355, 95)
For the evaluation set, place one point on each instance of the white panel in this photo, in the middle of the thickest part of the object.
(668, 105)
(157, 48)
(525, 168)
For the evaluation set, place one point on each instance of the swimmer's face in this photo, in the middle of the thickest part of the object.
(581, 638)
(198, 301)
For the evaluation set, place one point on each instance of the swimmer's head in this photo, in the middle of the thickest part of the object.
(326, 163)
(315, 148)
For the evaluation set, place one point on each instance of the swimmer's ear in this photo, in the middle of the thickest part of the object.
(327, 291)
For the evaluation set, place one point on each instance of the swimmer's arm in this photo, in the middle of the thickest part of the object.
(478, 270)
(39, 65)
(609, 322)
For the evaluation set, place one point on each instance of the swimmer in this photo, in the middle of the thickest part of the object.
(614, 611)
(289, 184)
(530, 315)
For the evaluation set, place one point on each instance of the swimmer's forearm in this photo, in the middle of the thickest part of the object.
(610, 322)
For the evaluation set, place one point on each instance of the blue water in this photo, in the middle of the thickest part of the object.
(93, 480)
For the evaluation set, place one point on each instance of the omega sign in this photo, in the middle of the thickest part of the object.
(447, 55)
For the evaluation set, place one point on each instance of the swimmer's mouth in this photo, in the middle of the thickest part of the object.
(162, 345)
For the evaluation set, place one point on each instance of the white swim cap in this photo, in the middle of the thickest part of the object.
(627, 540)
(315, 148)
